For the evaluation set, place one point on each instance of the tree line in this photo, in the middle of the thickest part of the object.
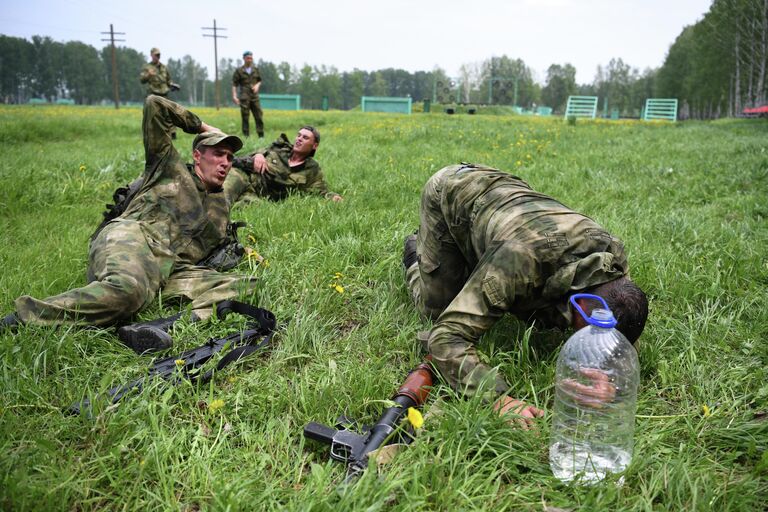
(718, 65)
(715, 67)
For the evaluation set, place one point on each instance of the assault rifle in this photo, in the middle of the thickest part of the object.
(257, 335)
(352, 448)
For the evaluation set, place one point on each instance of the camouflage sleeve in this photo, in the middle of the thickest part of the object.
(159, 116)
(245, 163)
(499, 278)
(316, 183)
(144, 75)
(236, 78)
(258, 76)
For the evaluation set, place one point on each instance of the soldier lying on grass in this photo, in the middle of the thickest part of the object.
(279, 170)
(178, 217)
(487, 245)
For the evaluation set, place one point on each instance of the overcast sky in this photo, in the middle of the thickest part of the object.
(412, 35)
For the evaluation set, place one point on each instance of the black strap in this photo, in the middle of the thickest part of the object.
(257, 335)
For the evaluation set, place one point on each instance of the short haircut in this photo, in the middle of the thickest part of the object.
(313, 130)
(629, 305)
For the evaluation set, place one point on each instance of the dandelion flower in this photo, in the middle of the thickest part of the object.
(415, 418)
(215, 405)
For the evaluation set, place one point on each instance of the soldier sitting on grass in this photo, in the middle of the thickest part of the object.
(488, 245)
(178, 218)
(279, 170)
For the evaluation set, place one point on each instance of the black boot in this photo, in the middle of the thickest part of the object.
(409, 252)
(10, 322)
(149, 336)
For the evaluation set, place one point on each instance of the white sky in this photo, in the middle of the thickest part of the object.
(412, 35)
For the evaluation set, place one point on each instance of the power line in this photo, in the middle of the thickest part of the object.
(215, 37)
(115, 87)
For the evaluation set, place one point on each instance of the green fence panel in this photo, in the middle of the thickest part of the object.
(660, 108)
(386, 104)
(581, 106)
(543, 111)
(280, 101)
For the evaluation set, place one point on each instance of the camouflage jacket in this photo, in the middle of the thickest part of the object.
(281, 179)
(179, 217)
(526, 253)
(244, 81)
(158, 82)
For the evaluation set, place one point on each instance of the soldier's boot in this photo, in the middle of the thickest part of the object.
(409, 252)
(10, 322)
(261, 135)
(149, 336)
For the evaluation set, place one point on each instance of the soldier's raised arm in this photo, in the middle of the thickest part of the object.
(160, 115)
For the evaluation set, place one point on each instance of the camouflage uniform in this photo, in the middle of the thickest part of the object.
(488, 245)
(249, 100)
(159, 82)
(279, 180)
(171, 224)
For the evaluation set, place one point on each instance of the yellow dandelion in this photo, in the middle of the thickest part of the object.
(142, 462)
(82, 168)
(706, 410)
(518, 163)
(252, 239)
(215, 405)
(415, 418)
(338, 288)
(180, 362)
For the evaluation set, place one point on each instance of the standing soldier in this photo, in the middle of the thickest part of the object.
(155, 74)
(247, 78)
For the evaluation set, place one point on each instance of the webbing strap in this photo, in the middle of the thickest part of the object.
(257, 335)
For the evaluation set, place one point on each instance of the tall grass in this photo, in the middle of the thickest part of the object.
(689, 201)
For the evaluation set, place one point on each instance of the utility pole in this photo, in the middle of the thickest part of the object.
(115, 87)
(215, 36)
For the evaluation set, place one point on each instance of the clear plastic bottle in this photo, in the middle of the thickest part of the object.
(593, 421)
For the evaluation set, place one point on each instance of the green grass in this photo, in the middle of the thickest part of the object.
(689, 200)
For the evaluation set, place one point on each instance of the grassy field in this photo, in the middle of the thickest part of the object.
(690, 201)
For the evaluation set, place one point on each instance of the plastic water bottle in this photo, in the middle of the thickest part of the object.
(595, 400)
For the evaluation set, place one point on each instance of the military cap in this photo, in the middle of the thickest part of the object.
(247, 53)
(154, 51)
(214, 138)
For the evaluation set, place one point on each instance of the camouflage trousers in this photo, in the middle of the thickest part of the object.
(440, 275)
(251, 105)
(127, 269)
(441, 271)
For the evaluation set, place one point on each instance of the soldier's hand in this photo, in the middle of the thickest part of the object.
(260, 164)
(237, 101)
(255, 88)
(208, 128)
(598, 393)
(151, 71)
(336, 198)
(521, 414)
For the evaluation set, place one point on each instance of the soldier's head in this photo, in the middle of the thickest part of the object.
(306, 141)
(212, 153)
(627, 302)
(247, 58)
(155, 54)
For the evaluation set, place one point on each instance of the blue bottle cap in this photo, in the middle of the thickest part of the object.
(600, 319)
